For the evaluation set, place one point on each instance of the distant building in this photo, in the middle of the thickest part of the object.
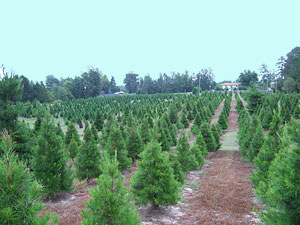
(120, 93)
(229, 85)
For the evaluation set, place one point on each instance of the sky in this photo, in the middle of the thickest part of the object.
(63, 38)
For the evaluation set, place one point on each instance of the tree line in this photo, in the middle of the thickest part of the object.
(93, 83)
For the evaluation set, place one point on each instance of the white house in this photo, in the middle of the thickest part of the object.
(229, 85)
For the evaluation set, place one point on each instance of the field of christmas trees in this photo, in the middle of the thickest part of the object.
(214, 158)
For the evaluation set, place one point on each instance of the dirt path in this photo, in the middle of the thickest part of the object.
(225, 193)
(243, 100)
(215, 117)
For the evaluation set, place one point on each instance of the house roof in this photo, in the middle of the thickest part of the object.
(230, 84)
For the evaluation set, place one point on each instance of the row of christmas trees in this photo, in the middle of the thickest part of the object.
(276, 158)
(160, 171)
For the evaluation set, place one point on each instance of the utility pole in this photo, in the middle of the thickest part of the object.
(199, 84)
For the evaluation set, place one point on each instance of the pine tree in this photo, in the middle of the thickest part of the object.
(88, 158)
(222, 121)
(198, 120)
(116, 143)
(184, 121)
(59, 131)
(50, 160)
(201, 144)
(71, 131)
(257, 140)
(196, 151)
(282, 195)
(154, 181)
(37, 124)
(175, 164)
(173, 114)
(99, 122)
(208, 137)
(94, 132)
(24, 142)
(20, 195)
(144, 131)
(73, 148)
(216, 133)
(110, 201)
(134, 145)
(265, 156)
(185, 156)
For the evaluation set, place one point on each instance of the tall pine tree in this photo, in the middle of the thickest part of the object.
(50, 160)
(21, 194)
(110, 201)
(154, 181)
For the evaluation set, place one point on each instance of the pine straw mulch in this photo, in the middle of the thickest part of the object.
(225, 194)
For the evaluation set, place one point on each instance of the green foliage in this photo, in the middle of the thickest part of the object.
(8, 117)
(216, 134)
(186, 157)
(175, 164)
(50, 161)
(110, 201)
(73, 148)
(116, 143)
(208, 137)
(173, 114)
(88, 158)
(59, 131)
(99, 122)
(20, 196)
(24, 142)
(255, 98)
(248, 78)
(185, 121)
(11, 89)
(154, 181)
(94, 132)
(282, 196)
(134, 145)
(283, 181)
(291, 69)
(257, 140)
(144, 132)
(265, 156)
(71, 131)
(131, 82)
(200, 143)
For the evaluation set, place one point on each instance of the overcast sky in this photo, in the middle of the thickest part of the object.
(64, 37)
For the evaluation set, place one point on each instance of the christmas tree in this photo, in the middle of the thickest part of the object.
(20, 195)
(50, 160)
(88, 158)
(185, 156)
(71, 131)
(134, 144)
(99, 122)
(208, 137)
(154, 181)
(116, 143)
(175, 164)
(110, 201)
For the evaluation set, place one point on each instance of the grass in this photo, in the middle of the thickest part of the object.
(230, 141)
(64, 127)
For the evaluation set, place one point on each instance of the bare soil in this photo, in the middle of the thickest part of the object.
(215, 117)
(225, 195)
